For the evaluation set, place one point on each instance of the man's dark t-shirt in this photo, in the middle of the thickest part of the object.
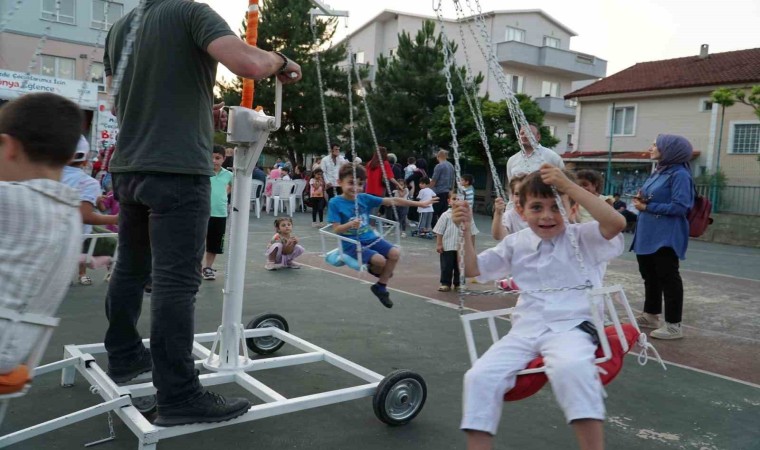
(164, 104)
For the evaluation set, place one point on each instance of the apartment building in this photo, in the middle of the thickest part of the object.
(71, 60)
(533, 50)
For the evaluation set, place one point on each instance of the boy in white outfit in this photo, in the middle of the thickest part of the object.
(545, 324)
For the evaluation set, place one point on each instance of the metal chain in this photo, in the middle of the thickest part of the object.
(313, 26)
(40, 45)
(7, 18)
(351, 124)
(447, 66)
(496, 292)
(374, 139)
(126, 52)
(87, 73)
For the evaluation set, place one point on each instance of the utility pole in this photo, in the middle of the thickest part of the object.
(608, 178)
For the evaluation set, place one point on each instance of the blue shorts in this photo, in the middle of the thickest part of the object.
(381, 247)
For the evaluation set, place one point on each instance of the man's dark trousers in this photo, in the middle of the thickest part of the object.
(162, 231)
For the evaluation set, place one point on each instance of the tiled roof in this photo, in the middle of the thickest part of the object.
(741, 66)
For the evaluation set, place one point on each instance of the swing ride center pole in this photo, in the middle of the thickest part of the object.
(251, 37)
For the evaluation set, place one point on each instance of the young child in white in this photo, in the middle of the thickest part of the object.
(545, 324)
(506, 219)
(410, 167)
(426, 212)
(283, 249)
(448, 235)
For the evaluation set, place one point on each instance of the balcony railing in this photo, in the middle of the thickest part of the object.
(575, 65)
(556, 105)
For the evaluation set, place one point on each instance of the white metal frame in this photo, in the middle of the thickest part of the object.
(601, 299)
(228, 358)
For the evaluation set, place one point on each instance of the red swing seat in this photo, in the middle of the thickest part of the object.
(528, 384)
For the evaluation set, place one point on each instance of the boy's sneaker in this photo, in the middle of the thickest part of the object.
(208, 273)
(444, 288)
(668, 331)
(403, 234)
(646, 321)
(126, 373)
(293, 265)
(272, 266)
(208, 408)
(383, 296)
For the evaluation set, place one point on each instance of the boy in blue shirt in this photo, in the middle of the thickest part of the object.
(221, 184)
(380, 255)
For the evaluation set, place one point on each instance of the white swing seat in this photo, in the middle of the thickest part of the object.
(338, 258)
(601, 299)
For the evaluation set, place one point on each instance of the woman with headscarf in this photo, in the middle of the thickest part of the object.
(662, 234)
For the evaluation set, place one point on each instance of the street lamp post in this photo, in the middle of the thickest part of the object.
(608, 178)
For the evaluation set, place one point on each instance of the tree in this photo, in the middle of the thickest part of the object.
(284, 26)
(502, 139)
(408, 89)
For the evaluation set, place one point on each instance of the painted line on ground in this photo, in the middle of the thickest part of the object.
(455, 307)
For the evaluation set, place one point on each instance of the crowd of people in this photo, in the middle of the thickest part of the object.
(166, 194)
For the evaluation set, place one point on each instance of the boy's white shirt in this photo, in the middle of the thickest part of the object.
(512, 221)
(450, 231)
(425, 194)
(538, 264)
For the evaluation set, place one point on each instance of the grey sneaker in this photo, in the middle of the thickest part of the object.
(668, 331)
(208, 408)
(644, 321)
(122, 374)
(209, 274)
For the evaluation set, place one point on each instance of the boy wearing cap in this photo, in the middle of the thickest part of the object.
(89, 190)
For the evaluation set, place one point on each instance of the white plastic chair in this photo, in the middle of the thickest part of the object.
(269, 198)
(256, 193)
(300, 188)
(282, 192)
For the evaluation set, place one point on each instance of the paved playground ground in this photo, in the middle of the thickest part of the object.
(708, 399)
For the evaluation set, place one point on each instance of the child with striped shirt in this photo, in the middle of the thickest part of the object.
(447, 242)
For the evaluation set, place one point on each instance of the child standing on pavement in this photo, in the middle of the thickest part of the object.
(447, 245)
(221, 184)
(283, 249)
(426, 212)
(317, 195)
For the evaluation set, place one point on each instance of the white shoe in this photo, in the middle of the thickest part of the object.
(315, 224)
(646, 321)
(272, 266)
(403, 235)
(668, 331)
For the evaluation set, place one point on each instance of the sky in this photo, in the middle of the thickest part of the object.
(623, 32)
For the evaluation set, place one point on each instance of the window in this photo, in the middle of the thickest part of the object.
(97, 73)
(553, 130)
(705, 105)
(515, 34)
(549, 89)
(624, 121)
(57, 67)
(359, 57)
(66, 12)
(551, 42)
(392, 52)
(515, 83)
(745, 137)
(102, 19)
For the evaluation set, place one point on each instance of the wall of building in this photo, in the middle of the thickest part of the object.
(536, 27)
(740, 169)
(17, 52)
(562, 129)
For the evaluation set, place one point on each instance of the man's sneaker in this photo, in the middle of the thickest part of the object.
(668, 331)
(208, 408)
(137, 367)
(272, 266)
(444, 288)
(383, 296)
(293, 265)
(208, 273)
(645, 321)
(403, 234)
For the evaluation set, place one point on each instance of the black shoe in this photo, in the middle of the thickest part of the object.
(384, 297)
(208, 408)
(137, 367)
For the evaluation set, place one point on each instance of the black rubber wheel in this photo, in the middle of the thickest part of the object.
(399, 397)
(268, 344)
(145, 405)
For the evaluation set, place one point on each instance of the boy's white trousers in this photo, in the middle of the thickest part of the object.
(569, 359)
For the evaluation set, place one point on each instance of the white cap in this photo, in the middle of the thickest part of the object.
(83, 149)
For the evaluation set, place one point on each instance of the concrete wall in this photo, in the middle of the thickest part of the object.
(17, 51)
(740, 169)
(535, 26)
(734, 229)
